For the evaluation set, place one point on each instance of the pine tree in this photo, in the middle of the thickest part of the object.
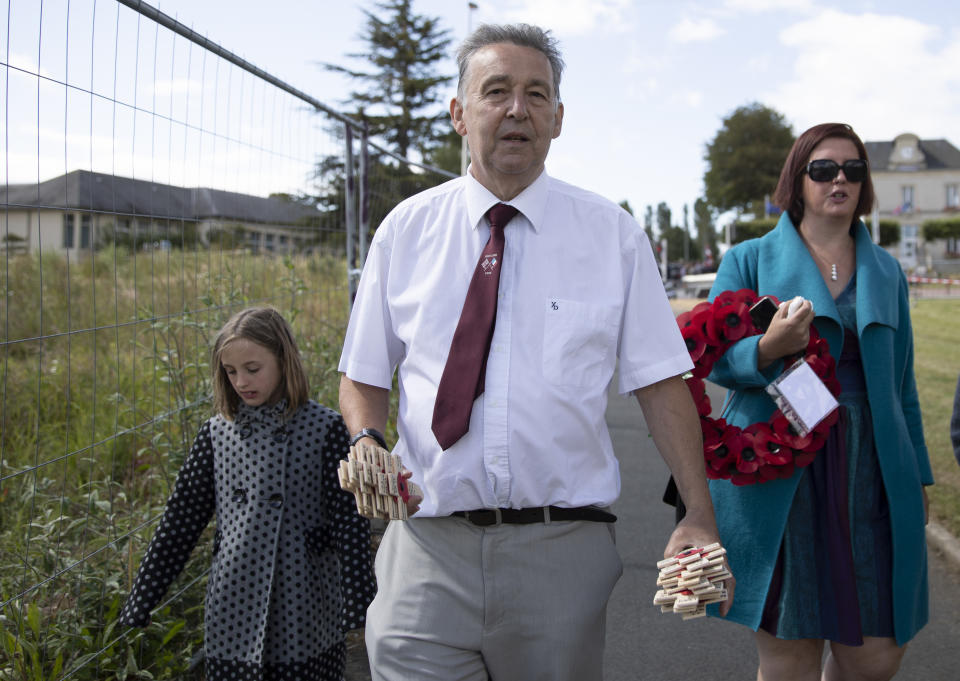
(402, 93)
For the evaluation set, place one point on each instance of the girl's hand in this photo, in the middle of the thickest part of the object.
(787, 334)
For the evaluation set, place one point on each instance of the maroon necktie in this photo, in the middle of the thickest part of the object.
(463, 376)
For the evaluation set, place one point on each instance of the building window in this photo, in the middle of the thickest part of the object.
(269, 242)
(906, 203)
(85, 231)
(68, 230)
(953, 196)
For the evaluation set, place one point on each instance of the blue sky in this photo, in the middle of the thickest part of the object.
(648, 82)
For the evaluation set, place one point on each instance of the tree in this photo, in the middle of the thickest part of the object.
(446, 153)
(678, 244)
(745, 157)
(751, 229)
(403, 88)
(648, 225)
(703, 221)
(663, 219)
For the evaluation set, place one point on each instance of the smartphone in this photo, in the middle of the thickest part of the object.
(762, 312)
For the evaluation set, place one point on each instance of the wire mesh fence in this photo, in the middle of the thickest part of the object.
(152, 184)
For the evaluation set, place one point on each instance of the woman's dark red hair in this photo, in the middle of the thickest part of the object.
(789, 193)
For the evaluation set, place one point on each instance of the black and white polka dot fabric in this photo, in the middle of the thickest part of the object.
(291, 568)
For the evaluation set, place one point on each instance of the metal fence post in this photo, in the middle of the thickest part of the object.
(350, 214)
(364, 197)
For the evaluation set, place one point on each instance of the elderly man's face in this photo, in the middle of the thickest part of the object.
(509, 114)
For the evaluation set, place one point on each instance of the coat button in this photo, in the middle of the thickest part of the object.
(246, 430)
(280, 435)
(239, 496)
(276, 500)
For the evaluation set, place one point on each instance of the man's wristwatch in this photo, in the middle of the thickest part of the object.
(369, 432)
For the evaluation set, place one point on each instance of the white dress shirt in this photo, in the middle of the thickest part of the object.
(579, 288)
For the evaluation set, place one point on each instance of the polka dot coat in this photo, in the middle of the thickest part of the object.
(291, 569)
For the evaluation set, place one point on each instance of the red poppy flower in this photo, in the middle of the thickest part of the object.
(693, 334)
(713, 429)
(833, 385)
(741, 479)
(725, 298)
(730, 322)
(818, 438)
(721, 454)
(747, 296)
(787, 434)
(830, 419)
(699, 393)
(774, 472)
(702, 368)
(768, 446)
(748, 460)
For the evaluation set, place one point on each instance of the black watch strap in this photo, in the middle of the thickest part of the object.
(369, 432)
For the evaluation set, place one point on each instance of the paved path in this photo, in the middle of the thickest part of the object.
(642, 643)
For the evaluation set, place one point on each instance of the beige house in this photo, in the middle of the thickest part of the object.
(83, 210)
(918, 180)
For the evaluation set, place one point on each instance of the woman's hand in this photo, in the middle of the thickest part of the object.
(787, 334)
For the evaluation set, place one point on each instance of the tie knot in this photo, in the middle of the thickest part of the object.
(501, 214)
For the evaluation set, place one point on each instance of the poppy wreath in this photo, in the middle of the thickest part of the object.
(761, 451)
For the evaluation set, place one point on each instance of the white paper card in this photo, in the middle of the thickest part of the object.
(802, 397)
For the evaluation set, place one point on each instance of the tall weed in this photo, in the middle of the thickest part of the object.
(105, 378)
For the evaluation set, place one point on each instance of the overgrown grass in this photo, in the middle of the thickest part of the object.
(104, 373)
(936, 325)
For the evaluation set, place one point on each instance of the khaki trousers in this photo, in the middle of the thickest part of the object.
(457, 602)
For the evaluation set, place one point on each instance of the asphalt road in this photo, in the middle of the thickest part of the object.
(643, 643)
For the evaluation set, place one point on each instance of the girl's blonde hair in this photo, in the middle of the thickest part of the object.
(267, 327)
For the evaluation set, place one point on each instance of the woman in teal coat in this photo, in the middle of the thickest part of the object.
(836, 552)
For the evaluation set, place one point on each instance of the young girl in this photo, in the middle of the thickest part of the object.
(291, 568)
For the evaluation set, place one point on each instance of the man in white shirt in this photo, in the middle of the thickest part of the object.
(506, 569)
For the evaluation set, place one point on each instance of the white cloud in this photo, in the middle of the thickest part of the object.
(883, 74)
(692, 99)
(768, 5)
(572, 17)
(694, 30)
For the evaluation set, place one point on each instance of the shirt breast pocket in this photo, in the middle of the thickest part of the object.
(579, 341)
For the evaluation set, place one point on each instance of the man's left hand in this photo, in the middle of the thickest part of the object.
(688, 534)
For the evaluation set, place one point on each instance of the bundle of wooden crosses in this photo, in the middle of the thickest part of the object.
(374, 475)
(692, 579)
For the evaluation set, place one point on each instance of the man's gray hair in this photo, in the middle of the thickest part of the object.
(524, 35)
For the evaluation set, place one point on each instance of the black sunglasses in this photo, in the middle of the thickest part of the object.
(825, 170)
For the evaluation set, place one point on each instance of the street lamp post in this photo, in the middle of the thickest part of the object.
(471, 6)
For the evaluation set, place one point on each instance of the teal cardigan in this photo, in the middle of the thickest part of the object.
(752, 518)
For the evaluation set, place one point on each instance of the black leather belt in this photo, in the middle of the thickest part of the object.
(540, 514)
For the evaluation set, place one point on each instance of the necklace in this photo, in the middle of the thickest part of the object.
(818, 256)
